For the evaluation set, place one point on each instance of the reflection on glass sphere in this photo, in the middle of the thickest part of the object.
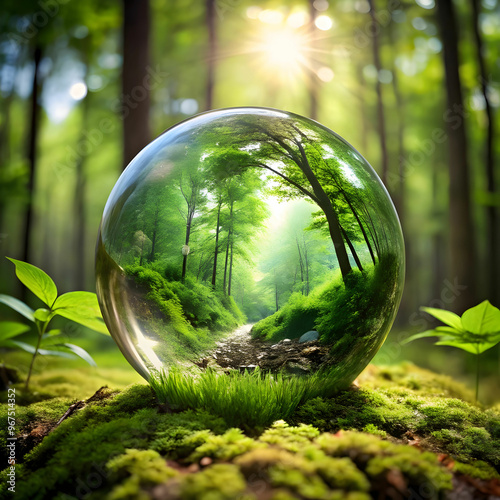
(250, 238)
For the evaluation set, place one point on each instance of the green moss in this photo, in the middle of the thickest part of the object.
(289, 438)
(218, 482)
(231, 444)
(478, 469)
(377, 458)
(135, 470)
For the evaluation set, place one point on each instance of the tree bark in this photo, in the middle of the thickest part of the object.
(352, 249)
(492, 235)
(462, 241)
(380, 101)
(216, 251)
(211, 53)
(135, 85)
(230, 268)
(229, 236)
(32, 151)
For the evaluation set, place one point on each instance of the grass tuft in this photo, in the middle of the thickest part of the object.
(247, 400)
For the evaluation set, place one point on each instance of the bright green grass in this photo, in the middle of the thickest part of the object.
(248, 400)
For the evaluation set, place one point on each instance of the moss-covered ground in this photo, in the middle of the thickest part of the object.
(400, 432)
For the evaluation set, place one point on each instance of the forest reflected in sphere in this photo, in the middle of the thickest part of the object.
(250, 239)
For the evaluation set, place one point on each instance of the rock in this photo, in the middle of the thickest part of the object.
(286, 341)
(301, 367)
(309, 336)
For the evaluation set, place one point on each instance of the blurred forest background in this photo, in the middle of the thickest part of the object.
(414, 85)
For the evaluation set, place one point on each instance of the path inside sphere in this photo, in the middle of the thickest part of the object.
(242, 352)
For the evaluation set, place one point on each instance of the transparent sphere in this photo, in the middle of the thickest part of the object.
(246, 239)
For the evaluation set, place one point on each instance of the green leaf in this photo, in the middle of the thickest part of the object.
(51, 333)
(39, 282)
(422, 335)
(17, 344)
(42, 315)
(447, 317)
(9, 329)
(472, 348)
(18, 306)
(83, 308)
(80, 352)
(483, 318)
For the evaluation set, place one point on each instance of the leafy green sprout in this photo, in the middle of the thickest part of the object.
(476, 331)
(80, 307)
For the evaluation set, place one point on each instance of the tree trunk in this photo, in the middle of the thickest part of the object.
(186, 242)
(301, 266)
(276, 296)
(462, 241)
(32, 152)
(378, 88)
(306, 262)
(216, 251)
(230, 268)
(352, 249)
(492, 235)
(211, 53)
(330, 214)
(229, 236)
(155, 233)
(136, 81)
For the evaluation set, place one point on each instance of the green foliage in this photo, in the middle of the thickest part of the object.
(296, 317)
(251, 400)
(194, 312)
(475, 332)
(339, 309)
(80, 307)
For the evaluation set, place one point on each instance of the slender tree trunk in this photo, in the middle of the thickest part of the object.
(229, 237)
(32, 152)
(378, 87)
(211, 53)
(155, 233)
(186, 242)
(276, 296)
(216, 251)
(136, 81)
(230, 268)
(492, 255)
(360, 224)
(330, 214)
(306, 262)
(301, 265)
(353, 250)
(462, 240)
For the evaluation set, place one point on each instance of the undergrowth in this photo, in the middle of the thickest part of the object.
(124, 447)
(250, 399)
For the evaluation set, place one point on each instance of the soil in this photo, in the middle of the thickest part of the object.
(241, 352)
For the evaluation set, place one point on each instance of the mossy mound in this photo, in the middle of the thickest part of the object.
(393, 442)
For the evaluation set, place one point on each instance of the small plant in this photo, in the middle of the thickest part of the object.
(81, 307)
(476, 331)
(249, 399)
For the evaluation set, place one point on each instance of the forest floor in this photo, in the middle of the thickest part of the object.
(401, 432)
(240, 351)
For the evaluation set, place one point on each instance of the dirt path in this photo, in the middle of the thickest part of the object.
(241, 352)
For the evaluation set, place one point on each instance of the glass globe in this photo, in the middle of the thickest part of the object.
(250, 238)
